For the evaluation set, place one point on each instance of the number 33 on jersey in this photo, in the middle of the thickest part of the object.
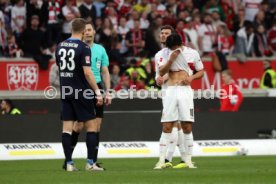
(71, 56)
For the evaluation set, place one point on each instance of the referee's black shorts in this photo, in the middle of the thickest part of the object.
(99, 109)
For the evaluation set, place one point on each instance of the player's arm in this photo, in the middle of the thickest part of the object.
(166, 67)
(86, 64)
(106, 76)
(199, 70)
(92, 82)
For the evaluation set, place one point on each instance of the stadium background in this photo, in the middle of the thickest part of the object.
(25, 76)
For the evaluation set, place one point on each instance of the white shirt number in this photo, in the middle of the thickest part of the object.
(63, 64)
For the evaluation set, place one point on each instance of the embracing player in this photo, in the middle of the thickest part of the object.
(76, 77)
(172, 133)
(178, 99)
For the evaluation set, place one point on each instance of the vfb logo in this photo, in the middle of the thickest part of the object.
(22, 76)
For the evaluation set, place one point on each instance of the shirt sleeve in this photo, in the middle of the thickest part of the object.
(198, 62)
(105, 59)
(86, 56)
(156, 68)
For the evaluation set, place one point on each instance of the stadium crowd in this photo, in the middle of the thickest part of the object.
(129, 31)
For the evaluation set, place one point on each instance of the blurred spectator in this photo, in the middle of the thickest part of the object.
(7, 108)
(112, 15)
(160, 7)
(207, 35)
(69, 12)
(143, 6)
(5, 8)
(132, 17)
(259, 19)
(107, 35)
(239, 20)
(135, 80)
(152, 37)
(122, 31)
(269, 76)
(135, 39)
(251, 8)
(244, 41)
(124, 7)
(32, 39)
(13, 48)
(271, 38)
(54, 76)
(228, 9)
(216, 19)
(269, 11)
(124, 84)
(32, 43)
(260, 43)
(54, 21)
(207, 39)
(225, 43)
(225, 40)
(99, 6)
(191, 32)
(144, 22)
(232, 97)
(169, 18)
(115, 75)
(37, 7)
(88, 10)
(3, 39)
(149, 75)
(180, 30)
(213, 5)
(18, 17)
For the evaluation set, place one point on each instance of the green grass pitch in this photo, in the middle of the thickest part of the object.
(211, 170)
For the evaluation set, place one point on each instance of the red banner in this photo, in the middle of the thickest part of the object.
(247, 75)
(26, 75)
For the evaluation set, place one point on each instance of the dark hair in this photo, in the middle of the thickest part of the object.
(167, 27)
(173, 40)
(78, 25)
(227, 72)
(9, 102)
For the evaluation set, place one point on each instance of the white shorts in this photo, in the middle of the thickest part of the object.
(178, 104)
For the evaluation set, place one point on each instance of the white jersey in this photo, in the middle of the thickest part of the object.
(19, 14)
(251, 8)
(187, 58)
(161, 57)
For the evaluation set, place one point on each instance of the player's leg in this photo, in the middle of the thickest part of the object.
(91, 143)
(99, 118)
(68, 116)
(77, 128)
(169, 116)
(172, 143)
(181, 148)
(186, 111)
(85, 112)
(188, 143)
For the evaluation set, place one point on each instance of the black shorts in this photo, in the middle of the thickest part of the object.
(80, 110)
(99, 109)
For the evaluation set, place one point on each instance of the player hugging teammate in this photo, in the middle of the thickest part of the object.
(176, 62)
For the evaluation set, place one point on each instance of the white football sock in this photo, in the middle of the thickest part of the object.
(172, 143)
(188, 143)
(180, 143)
(163, 145)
